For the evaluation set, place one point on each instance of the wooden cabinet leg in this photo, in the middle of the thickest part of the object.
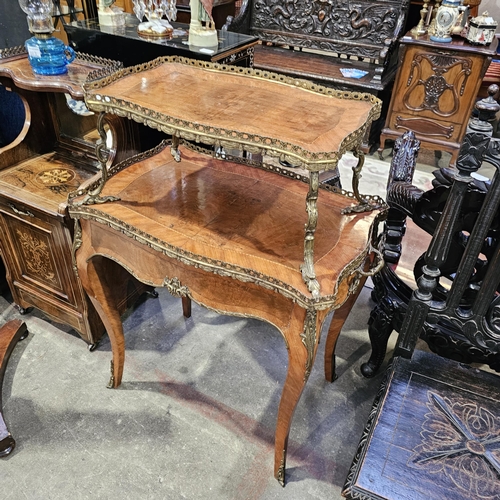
(10, 334)
(186, 307)
(301, 354)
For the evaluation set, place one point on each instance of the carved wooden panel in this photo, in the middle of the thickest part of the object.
(334, 25)
(425, 127)
(437, 84)
(34, 243)
(434, 433)
(459, 438)
(435, 91)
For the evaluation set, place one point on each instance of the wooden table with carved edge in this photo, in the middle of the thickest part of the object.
(218, 232)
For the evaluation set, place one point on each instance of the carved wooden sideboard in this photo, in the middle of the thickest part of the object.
(435, 91)
(50, 151)
(240, 236)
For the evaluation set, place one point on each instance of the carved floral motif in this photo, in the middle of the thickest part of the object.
(437, 83)
(36, 256)
(461, 440)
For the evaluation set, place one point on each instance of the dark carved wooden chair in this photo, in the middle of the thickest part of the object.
(434, 429)
(391, 293)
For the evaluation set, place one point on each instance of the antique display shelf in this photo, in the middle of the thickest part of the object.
(240, 236)
(52, 153)
(124, 43)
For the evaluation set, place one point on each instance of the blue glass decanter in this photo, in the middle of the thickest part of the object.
(47, 55)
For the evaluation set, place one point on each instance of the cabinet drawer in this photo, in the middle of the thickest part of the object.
(426, 128)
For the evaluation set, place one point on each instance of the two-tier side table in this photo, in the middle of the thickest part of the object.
(240, 236)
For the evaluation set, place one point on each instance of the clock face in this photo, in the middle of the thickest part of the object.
(445, 19)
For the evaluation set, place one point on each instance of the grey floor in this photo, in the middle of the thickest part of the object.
(194, 417)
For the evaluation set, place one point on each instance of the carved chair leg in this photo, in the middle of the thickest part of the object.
(338, 320)
(10, 334)
(380, 327)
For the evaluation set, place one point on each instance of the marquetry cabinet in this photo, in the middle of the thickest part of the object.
(435, 91)
(47, 150)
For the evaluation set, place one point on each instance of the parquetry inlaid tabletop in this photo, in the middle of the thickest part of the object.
(240, 107)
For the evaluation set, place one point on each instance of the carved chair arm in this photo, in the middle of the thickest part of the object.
(403, 196)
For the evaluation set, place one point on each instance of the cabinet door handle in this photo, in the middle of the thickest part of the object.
(20, 212)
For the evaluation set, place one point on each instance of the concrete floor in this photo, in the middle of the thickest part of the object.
(194, 417)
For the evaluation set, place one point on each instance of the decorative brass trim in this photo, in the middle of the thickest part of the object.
(307, 269)
(228, 138)
(108, 65)
(77, 243)
(308, 337)
(111, 382)
(25, 212)
(216, 266)
(280, 476)
(102, 153)
(174, 287)
(375, 202)
(226, 269)
(174, 148)
(364, 203)
(9, 52)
